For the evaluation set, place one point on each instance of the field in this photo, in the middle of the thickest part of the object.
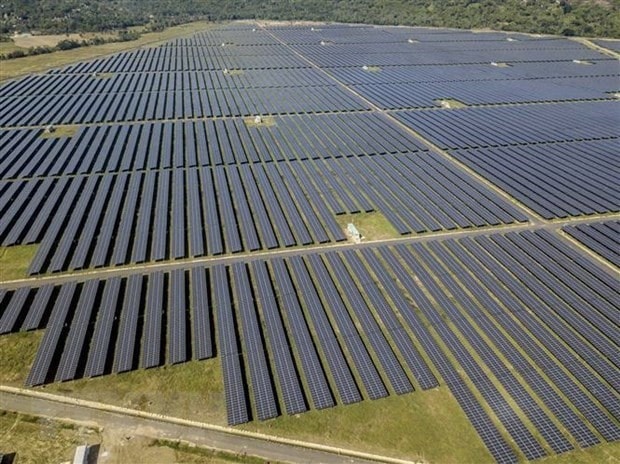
(38, 439)
(27, 41)
(168, 251)
(34, 64)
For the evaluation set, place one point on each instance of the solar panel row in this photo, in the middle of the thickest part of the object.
(484, 92)
(286, 206)
(172, 59)
(600, 237)
(303, 324)
(504, 125)
(428, 54)
(557, 180)
(178, 104)
(96, 149)
(127, 82)
(450, 74)
(521, 328)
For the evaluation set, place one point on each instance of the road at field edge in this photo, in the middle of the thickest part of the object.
(163, 429)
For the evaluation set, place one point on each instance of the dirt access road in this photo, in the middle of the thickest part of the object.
(125, 427)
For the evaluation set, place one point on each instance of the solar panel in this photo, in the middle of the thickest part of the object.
(76, 342)
(233, 376)
(177, 318)
(201, 315)
(277, 340)
(39, 373)
(263, 393)
(100, 349)
(14, 309)
(154, 311)
(128, 338)
(331, 349)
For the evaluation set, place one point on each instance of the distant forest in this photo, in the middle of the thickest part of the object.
(563, 17)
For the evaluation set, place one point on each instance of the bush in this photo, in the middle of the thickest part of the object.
(15, 54)
(128, 36)
(67, 44)
(97, 40)
(40, 50)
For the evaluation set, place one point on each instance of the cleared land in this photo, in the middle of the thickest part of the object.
(27, 40)
(15, 261)
(38, 440)
(33, 64)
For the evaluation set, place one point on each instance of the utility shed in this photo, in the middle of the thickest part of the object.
(354, 233)
(81, 455)
(86, 454)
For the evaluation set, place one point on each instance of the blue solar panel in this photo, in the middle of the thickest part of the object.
(331, 349)
(201, 315)
(153, 321)
(263, 393)
(177, 318)
(63, 305)
(100, 346)
(277, 340)
(75, 343)
(234, 379)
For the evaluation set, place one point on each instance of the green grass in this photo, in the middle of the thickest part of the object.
(60, 131)
(372, 226)
(372, 69)
(37, 440)
(106, 75)
(10, 69)
(235, 72)
(450, 103)
(7, 47)
(193, 454)
(15, 260)
(427, 425)
(191, 390)
(266, 121)
(17, 353)
(606, 453)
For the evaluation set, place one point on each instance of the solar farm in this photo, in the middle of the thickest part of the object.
(187, 202)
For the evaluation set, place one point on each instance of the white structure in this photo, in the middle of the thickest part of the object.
(354, 233)
(258, 120)
(225, 70)
(410, 41)
(365, 68)
(81, 455)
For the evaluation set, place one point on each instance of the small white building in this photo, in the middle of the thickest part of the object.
(81, 455)
(354, 233)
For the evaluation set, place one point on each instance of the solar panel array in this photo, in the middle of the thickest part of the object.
(299, 332)
(242, 192)
(601, 237)
(167, 163)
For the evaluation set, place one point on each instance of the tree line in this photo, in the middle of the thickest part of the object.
(563, 17)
